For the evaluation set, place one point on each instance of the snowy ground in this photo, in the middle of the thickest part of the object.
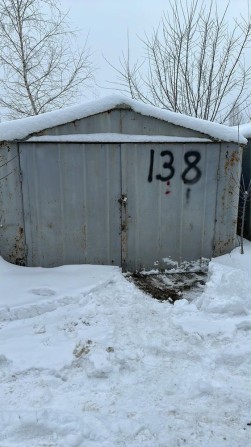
(86, 359)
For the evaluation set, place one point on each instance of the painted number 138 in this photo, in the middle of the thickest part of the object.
(191, 173)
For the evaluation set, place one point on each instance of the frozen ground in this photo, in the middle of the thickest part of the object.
(86, 359)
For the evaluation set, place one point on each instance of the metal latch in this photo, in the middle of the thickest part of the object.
(123, 199)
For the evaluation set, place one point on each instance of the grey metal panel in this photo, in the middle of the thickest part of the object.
(227, 198)
(134, 123)
(12, 242)
(198, 202)
(122, 121)
(71, 195)
(168, 219)
(71, 207)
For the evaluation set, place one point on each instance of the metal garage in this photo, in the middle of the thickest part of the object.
(114, 181)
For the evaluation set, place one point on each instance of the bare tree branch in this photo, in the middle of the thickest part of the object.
(193, 63)
(41, 71)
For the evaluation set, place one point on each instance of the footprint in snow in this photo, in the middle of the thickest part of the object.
(43, 291)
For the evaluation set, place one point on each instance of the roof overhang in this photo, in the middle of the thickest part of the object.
(21, 129)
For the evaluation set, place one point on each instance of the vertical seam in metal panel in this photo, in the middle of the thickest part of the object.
(181, 209)
(135, 236)
(204, 199)
(136, 150)
(60, 167)
(35, 170)
(120, 209)
(22, 204)
(33, 236)
(122, 170)
(123, 208)
(217, 200)
(160, 208)
(85, 223)
(107, 148)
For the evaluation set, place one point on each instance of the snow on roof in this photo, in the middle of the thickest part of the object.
(22, 128)
(114, 138)
(244, 130)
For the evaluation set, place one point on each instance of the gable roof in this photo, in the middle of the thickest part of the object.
(21, 129)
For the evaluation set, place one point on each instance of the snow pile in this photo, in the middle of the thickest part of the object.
(42, 290)
(22, 128)
(228, 290)
(114, 367)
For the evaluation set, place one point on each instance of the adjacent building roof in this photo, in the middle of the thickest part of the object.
(244, 130)
(22, 129)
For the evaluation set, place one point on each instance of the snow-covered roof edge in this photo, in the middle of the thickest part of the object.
(22, 128)
(114, 138)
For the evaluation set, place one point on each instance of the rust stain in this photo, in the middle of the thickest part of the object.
(231, 160)
(222, 247)
(17, 255)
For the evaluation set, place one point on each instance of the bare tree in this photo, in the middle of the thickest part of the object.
(193, 63)
(41, 72)
(236, 117)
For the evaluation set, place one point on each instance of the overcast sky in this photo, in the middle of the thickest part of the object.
(109, 21)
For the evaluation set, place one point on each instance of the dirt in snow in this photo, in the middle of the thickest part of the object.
(170, 286)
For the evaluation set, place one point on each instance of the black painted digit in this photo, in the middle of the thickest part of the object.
(167, 165)
(191, 165)
(150, 175)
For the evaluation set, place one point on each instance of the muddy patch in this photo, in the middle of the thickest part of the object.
(171, 286)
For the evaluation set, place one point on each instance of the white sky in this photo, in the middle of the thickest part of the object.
(108, 21)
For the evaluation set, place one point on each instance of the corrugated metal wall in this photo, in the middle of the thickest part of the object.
(171, 193)
(122, 121)
(12, 240)
(71, 208)
(127, 204)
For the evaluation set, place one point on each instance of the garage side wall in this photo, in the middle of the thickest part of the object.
(12, 240)
(228, 178)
